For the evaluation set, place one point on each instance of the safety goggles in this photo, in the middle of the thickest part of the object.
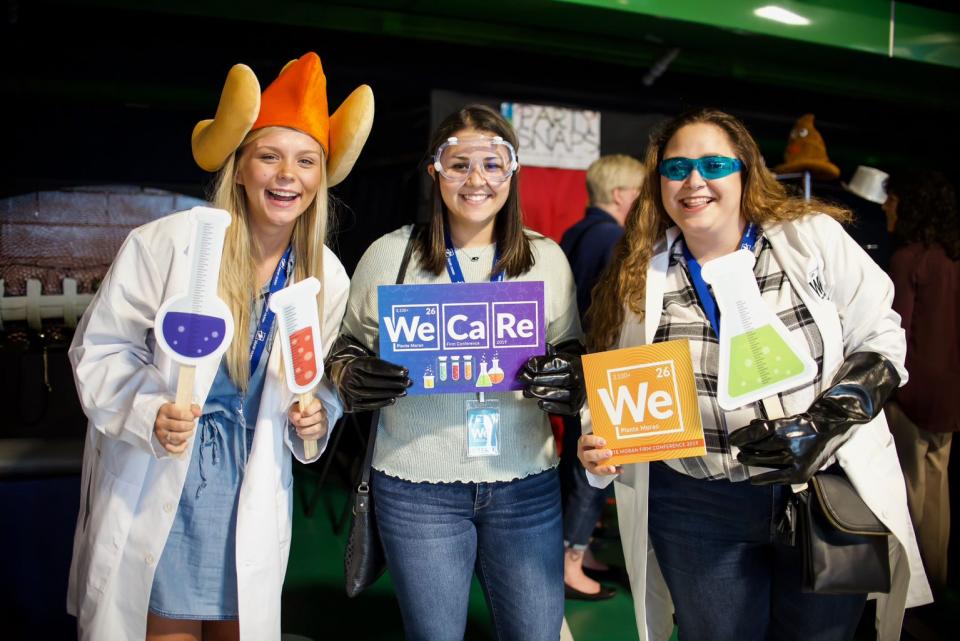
(457, 159)
(710, 167)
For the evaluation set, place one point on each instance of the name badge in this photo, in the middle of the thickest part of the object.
(483, 428)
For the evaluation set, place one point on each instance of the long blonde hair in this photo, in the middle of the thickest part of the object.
(238, 271)
(763, 200)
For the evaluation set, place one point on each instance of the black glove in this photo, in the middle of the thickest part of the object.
(800, 445)
(556, 379)
(364, 381)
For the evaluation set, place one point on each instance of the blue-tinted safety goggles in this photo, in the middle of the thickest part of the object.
(710, 167)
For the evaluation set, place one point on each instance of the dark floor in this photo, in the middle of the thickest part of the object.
(314, 589)
(37, 528)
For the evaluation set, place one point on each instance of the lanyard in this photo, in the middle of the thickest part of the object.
(707, 301)
(453, 264)
(280, 276)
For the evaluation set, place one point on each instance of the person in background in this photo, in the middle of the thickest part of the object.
(922, 213)
(444, 510)
(864, 195)
(185, 518)
(706, 523)
(613, 184)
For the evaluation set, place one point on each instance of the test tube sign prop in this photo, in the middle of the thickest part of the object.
(758, 355)
(299, 323)
(197, 325)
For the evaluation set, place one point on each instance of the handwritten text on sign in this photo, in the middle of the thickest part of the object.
(464, 337)
(555, 136)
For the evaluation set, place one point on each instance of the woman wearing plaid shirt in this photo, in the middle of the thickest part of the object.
(705, 526)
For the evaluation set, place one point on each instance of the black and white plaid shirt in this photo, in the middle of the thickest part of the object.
(683, 317)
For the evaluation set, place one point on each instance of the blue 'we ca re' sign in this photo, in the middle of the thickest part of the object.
(463, 337)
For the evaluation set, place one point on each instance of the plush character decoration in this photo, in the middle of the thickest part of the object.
(296, 99)
(806, 151)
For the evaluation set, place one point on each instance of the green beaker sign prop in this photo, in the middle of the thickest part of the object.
(758, 356)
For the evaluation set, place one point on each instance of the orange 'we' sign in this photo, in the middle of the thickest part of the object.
(643, 401)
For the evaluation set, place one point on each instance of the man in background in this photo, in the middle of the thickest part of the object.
(613, 184)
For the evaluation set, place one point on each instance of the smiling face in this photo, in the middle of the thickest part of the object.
(472, 205)
(281, 173)
(706, 211)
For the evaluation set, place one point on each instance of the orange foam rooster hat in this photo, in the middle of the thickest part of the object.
(296, 99)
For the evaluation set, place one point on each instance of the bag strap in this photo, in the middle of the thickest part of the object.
(364, 485)
(402, 274)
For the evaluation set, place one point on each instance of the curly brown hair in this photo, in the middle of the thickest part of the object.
(927, 210)
(763, 200)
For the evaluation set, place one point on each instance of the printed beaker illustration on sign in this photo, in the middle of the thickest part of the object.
(496, 374)
(296, 309)
(198, 324)
(758, 355)
(483, 378)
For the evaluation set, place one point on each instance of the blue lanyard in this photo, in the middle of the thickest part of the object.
(453, 264)
(280, 276)
(707, 301)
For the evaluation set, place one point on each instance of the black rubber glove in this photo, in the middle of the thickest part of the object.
(364, 381)
(799, 445)
(556, 379)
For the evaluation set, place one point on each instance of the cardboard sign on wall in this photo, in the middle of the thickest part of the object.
(643, 401)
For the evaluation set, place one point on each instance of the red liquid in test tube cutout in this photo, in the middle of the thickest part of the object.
(304, 360)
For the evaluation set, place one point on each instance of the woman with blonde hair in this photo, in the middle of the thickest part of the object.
(707, 526)
(184, 527)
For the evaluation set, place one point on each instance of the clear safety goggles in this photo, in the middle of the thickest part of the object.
(457, 159)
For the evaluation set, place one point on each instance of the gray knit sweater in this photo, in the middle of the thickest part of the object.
(423, 438)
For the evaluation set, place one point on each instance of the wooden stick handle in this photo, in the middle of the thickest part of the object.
(185, 391)
(185, 387)
(309, 447)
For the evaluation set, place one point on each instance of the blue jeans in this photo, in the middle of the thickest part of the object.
(582, 503)
(436, 535)
(730, 579)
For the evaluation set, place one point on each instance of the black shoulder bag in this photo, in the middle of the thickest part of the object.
(843, 545)
(363, 559)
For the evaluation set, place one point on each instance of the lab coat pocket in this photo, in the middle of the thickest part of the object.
(112, 506)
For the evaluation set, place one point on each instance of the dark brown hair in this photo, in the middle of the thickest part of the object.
(763, 200)
(927, 210)
(516, 257)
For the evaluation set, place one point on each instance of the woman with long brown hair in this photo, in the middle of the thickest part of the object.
(709, 520)
(444, 510)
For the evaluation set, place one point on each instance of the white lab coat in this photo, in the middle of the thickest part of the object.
(131, 486)
(853, 314)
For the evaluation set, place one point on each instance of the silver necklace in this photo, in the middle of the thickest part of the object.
(473, 259)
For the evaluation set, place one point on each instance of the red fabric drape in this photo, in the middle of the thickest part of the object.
(552, 199)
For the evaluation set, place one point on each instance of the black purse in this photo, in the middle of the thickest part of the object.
(843, 545)
(363, 559)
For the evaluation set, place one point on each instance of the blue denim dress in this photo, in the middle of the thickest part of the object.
(196, 577)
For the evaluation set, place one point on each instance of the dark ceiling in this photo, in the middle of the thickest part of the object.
(109, 91)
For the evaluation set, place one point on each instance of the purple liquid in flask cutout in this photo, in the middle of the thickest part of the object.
(193, 335)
